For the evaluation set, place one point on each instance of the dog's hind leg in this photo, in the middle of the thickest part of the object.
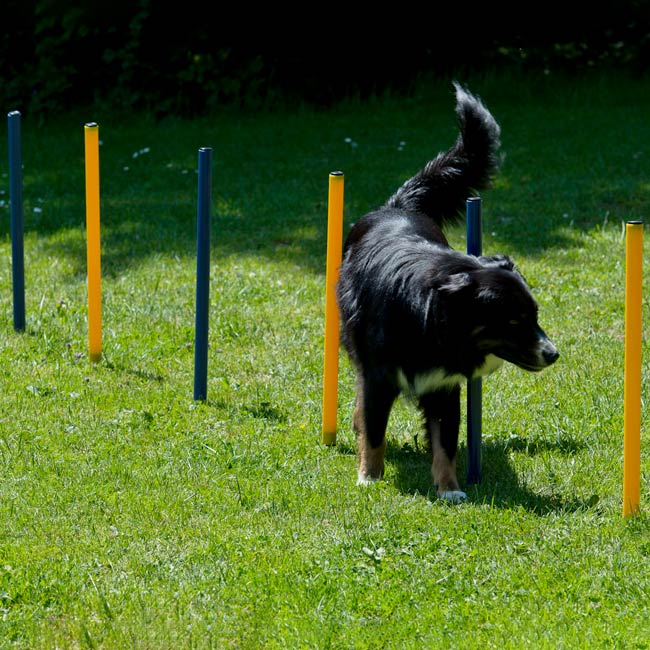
(442, 420)
(373, 404)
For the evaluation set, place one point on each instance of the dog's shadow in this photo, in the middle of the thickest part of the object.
(500, 485)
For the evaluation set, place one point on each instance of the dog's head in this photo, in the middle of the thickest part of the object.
(500, 313)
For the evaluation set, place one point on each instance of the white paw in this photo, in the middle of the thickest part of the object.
(366, 480)
(453, 496)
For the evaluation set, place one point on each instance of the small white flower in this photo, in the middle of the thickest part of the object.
(140, 152)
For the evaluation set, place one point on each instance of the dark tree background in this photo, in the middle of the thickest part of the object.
(191, 57)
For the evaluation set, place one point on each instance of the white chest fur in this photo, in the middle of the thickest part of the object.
(438, 379)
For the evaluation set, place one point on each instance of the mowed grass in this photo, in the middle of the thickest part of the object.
(132, 516)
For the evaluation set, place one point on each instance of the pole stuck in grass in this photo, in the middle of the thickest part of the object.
(202, 275)
(93, 245)
(632, 368)
(16, 201)
(474, 386)
(334, 252)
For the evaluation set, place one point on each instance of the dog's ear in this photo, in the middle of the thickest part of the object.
(498, 261)
(456, 283)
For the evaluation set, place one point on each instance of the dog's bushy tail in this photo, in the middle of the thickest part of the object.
(441, 188)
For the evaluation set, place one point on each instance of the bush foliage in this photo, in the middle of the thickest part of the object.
(173, 59)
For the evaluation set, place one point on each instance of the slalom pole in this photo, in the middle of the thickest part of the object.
(202, 275)
(16, 201)
(334, 252)
(474, 386)
(93, 245)
(632, 380)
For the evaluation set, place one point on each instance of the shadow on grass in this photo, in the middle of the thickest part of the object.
(500, 487)
(297, 238)
(270, 177)
(269, 195)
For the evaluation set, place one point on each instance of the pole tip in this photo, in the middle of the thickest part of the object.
(337, 173)
(91, 125)
(635, 222)
(13, 114)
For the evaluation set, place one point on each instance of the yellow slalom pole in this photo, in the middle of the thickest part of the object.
(632, 380)
(334, 252)
(93, 248)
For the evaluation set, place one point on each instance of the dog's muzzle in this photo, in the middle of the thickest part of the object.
(547, 351)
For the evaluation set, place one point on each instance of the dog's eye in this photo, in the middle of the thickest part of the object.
(522, 319)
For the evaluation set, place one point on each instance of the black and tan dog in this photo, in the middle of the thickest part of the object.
(421, 318)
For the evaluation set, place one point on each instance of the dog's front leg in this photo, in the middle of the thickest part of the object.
(373, 404)
(442, 421)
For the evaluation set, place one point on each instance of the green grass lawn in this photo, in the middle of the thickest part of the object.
(132, 516)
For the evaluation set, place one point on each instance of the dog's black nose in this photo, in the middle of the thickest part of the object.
(551, 355)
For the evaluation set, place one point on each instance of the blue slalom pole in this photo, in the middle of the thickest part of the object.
(474, 387)
(202, 275)
(16, 200)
